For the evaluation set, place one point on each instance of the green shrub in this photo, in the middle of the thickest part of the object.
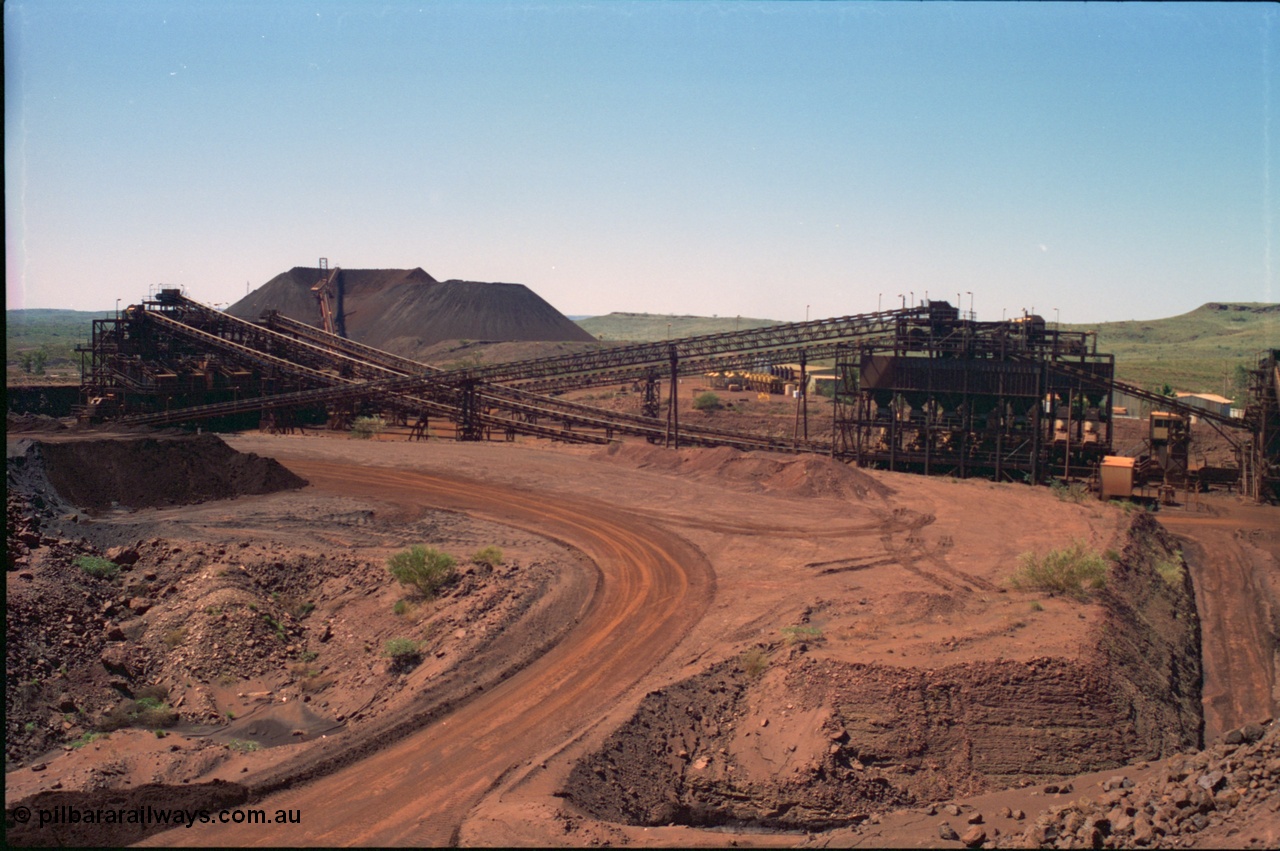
(707, 402)
(146, 712)
(1072, 572)
(400, 607)
(796, 634)
(99, 568)
(491, 556)
(398, 648)
(1070, 492)
(275, 625)
(755, 661)
(87, 738)
(243, 746)
(425, 568)
(364, 428)
(1171, 569)
(404, 653)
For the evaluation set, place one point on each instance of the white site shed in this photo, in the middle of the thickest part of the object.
(1211, 402)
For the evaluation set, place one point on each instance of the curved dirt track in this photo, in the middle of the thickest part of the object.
(652, 588)
(1228, 555)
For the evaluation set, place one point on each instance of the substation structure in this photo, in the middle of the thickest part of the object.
(1008, 400)
(917, 389)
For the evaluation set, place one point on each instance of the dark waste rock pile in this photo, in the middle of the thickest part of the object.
(97, 475)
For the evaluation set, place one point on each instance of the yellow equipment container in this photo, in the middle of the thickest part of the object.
(1117, 476)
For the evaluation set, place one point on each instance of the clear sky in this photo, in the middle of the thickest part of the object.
(1113, 161)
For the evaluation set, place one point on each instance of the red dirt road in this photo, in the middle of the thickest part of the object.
(653, 587)
(1230, 551)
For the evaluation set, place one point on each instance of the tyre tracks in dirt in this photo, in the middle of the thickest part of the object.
(652, 587)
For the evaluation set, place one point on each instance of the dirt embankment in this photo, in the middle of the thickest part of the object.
(780, 739)
(148, 472)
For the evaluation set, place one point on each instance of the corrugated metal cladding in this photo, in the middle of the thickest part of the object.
(947, 375)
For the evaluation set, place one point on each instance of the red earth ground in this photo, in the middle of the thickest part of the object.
(634, 578)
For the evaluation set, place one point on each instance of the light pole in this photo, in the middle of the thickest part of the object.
(117, 308)
(879, 298)
(904, 300)
(806, 313)
(1056, 317)
(972, 317)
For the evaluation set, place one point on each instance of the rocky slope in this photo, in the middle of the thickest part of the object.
(779, 739)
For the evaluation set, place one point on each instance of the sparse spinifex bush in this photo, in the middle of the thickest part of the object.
(365, 428)
(1070, 491)
(707, 402)
(404, 653)
(1170, 568)
(1072, 572)
(99, 568)
(147, 712)
(491, 556)
(805, 632)
(425, 568)
(755, 661)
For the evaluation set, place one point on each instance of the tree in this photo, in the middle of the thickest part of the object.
(32, 363)
(1240, 378)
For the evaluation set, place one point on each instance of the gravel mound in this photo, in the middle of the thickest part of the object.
(407, 310)
(807, 476)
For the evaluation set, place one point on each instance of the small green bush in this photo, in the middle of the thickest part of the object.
(491, 556)
(755, 661)
(99, 568)
(365, 428)
(707, 402)
(1072, 572)
(146, 712)
(400, 607)
(86, 739)
(1171, 569)
(404, 653)
(398, 648)
(796, 634)
(424, 568)
(1070, 492)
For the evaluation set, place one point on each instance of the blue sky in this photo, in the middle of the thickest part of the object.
(1112, 161)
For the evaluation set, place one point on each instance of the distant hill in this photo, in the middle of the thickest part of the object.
(652, 327)
(1194, 351)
